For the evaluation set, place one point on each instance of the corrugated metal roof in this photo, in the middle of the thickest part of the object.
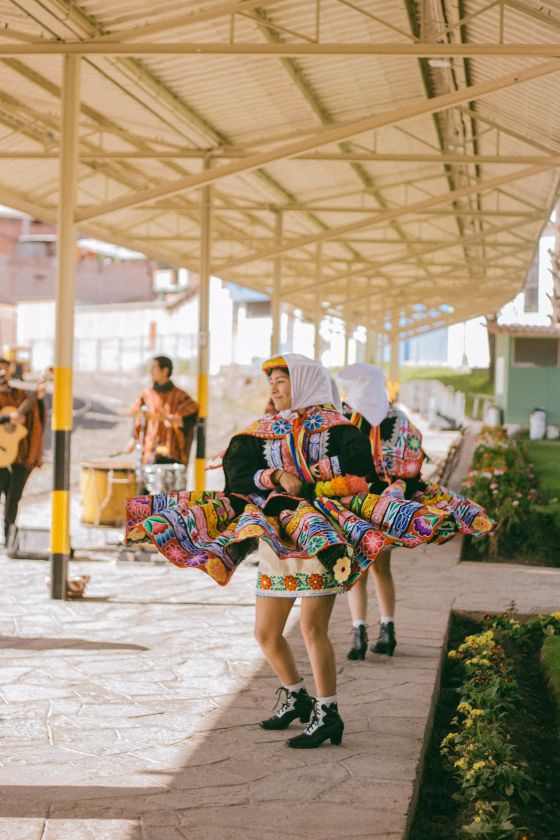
(390, 215)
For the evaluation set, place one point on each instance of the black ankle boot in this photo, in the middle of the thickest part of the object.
(386, 641)
(359, 643)
(326, 724)
(297, 704)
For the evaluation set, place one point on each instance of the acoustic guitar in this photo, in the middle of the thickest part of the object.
(11, 434)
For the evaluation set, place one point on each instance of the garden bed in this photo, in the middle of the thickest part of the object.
(493, 762)
(518, 482)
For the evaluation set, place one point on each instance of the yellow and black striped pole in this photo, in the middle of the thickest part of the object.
(64, 328)
(203, 334)
(393, 383)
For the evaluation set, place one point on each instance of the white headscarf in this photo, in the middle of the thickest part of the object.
(365, 391)
(311, 383)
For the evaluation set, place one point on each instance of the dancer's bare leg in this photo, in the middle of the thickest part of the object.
(270, 621)
(314, 623)
(384, 584)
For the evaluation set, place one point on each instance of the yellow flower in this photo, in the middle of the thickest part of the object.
(461, 763)
(341, 569)
(452, 654)
(477, 712)
(465, 708)
(478, 765)
(216, 570)
(478, 819)
(468, 722)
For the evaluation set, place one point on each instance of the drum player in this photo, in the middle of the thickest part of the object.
(164, 418)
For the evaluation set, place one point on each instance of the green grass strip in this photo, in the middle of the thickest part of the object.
(550, 658)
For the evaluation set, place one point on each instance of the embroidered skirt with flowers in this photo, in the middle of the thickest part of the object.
(470, 517)
(202, 530)
(293, 577)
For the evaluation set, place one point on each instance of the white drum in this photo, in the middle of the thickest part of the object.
(164, 478)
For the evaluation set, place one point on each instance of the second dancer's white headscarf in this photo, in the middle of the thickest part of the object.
(311, 383)
(365, 391)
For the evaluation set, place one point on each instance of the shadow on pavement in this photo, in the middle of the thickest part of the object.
(233, 778)
(41, 643)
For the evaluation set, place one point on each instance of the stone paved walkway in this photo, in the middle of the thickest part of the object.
(133, 715)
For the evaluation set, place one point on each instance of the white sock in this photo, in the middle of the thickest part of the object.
(359, 623)
(325, 701)
(296, 686)
(385, 619)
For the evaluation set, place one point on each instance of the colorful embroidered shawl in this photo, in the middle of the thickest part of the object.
(297, 429)
(316, 419)
(399, 457)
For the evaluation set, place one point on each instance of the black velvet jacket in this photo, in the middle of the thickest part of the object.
(245, 456)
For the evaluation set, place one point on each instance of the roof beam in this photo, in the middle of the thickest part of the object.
(296, 74)
(542, 16)
(517, 135)
(329, 135)
(399, 281)
(370, 269)
(398, 289)
(382, 217)
(182, 21)
(352, 157)
(94, 46)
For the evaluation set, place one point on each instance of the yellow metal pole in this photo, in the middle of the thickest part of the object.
(393, 384)
(64, 327)
(318, 320)
(370, 337)
(347, 328)
(203, 334)
(318, 314)
(276, 303)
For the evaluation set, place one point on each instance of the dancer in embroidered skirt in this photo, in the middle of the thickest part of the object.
(298, 480)
(396, 447)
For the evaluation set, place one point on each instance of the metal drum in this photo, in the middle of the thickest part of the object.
(164, 478)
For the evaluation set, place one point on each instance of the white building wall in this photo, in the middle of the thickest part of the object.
(513, 312)
(119, 336)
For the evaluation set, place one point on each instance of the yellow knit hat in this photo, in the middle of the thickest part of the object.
(275, 362)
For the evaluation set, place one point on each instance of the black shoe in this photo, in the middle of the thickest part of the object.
(328, 727)
(359, 643)
(386, 641)
(297, 704)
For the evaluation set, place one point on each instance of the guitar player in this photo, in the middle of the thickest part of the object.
(18, 459)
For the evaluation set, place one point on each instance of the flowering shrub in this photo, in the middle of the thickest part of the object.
(489, 775)
(503, 481)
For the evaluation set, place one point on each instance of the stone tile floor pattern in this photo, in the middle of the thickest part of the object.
(132, 715)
